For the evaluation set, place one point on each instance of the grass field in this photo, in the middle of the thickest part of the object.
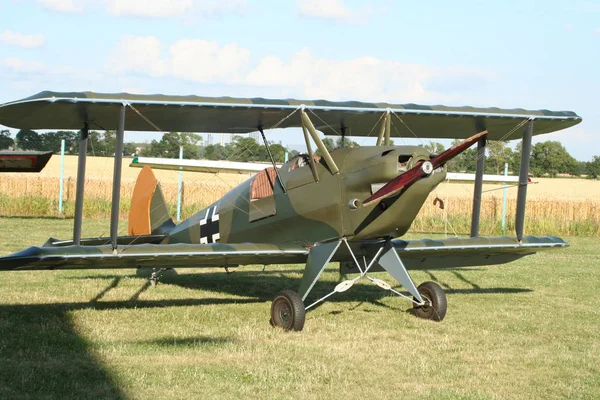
(526, 330)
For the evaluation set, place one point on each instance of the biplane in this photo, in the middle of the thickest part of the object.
(349, 205)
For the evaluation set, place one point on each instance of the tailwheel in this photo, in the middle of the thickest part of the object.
(435, 302)
(287, 311)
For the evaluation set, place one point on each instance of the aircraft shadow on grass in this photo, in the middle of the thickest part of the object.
(42, 355)
(262, 286)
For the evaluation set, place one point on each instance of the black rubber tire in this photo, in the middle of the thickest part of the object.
(287, 311)
(435, 297)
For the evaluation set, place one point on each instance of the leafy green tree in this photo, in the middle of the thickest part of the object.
(579, 168)
(514, 163)
(28, 140)
(218, 152)
(593, 168)
(551, 158)
(345, 142)
(168, 146)
(129, 149)
(51, 141)
(5, 140)
(328, 143)
(278, 152)
(498, 153)
(434, 147)
(246, 149)
(98, 145)
(465, 161)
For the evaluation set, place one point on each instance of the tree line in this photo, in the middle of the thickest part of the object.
(548, 158)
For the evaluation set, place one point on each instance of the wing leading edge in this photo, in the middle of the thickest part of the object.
(463, 252)
(151, 255)
(416, 254)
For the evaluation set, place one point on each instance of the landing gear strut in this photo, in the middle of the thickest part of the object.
(288, 310)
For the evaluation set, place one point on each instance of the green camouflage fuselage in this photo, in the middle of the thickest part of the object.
(309, 211)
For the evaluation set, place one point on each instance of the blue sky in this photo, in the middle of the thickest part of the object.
(528, 54)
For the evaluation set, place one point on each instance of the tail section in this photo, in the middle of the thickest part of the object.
(148, 213)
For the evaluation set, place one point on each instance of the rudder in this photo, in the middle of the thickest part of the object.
(148, 213)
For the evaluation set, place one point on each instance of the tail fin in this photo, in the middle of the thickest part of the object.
(148, 213)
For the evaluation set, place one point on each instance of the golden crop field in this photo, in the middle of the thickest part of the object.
(555, 206)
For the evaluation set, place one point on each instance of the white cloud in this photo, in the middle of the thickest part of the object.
(598, 31)
(140, 54)
(18, 39)
(193, 9)
(64, 6)
(204, 61)
(149, 8)
(172, 8)
(19, 65)
(302, 75)
(362, 78)
(331, 9)
(194, 60)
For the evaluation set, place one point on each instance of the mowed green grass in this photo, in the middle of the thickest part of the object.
(530, 329)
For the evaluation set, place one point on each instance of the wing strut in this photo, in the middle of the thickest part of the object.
(384, 131)
(478, 186)
(307, 123)
(116, 190)
(81, 161)
(523, 180)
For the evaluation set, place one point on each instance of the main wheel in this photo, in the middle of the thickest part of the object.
(435, 302)
(287, 311)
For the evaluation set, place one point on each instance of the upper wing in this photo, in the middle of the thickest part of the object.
(151, 255)
(464, 252)
(51, 110)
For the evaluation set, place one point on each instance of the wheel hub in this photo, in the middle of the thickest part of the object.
(285, 313)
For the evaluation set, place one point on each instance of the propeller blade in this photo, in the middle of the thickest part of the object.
(456, 149)
(421, 169)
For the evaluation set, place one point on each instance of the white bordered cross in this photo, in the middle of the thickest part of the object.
(209, 226)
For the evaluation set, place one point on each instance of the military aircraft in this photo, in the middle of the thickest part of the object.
(343, 206)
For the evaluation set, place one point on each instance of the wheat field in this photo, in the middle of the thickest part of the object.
(555, 206)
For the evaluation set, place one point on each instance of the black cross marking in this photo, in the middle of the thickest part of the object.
(209, 226)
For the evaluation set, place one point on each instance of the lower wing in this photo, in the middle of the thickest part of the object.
(152, 255)
(416, 254)
(461, 252)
